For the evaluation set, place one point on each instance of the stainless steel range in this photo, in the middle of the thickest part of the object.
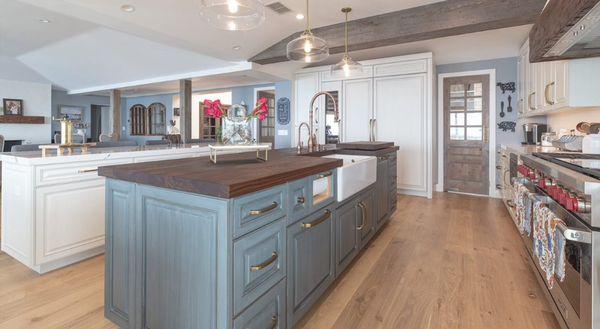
(570, 184)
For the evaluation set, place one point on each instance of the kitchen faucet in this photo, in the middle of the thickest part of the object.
(299, 147)
(313, 143)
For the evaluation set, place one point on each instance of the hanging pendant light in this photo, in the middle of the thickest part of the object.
(347, 66)
(307, 48)
(233, 15)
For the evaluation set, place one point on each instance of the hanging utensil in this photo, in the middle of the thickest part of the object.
(509, 108)
(502, 109)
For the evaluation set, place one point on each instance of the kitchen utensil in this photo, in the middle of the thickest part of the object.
(532, 132)
(502, 109)
(591, 144)
(571, 143)
(509, 108)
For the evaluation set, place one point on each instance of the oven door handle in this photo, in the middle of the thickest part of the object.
(572, 234)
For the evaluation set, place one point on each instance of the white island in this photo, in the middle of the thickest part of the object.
(53, 206)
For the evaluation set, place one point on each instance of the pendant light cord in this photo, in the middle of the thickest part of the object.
(346, 36)
(307, 18)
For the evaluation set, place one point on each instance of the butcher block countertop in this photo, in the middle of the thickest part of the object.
(234, 175)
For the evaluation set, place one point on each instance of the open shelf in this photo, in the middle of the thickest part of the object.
(21, 119)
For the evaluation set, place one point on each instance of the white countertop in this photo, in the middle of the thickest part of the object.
(95, 154)
(528, 149)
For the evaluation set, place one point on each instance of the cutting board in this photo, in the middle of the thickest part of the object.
(366, 146)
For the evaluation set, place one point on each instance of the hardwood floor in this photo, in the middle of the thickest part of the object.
(451, 262)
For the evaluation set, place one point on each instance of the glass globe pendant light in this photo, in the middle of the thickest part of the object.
(307, 48)
(233, 15)
(347, 66)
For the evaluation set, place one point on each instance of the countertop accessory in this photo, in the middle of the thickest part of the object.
(347, 66)
(509, 108)
(591, 144)
(548, 138)
(258, 147)
(307, 48)
(233, 15)
(571, 143)
(507, 125)
(502, 109)
(588, 128)
(509, 86)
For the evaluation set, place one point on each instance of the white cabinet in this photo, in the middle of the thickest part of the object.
(401, 114)
(549, 87)
(358, 109)
(397, 93)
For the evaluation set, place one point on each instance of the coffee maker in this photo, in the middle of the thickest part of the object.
(532, 132)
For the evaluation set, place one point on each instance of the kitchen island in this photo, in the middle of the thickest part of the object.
(241, 243)
(53, 205)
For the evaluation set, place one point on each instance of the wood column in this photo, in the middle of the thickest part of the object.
(185, 107)
(115, 104)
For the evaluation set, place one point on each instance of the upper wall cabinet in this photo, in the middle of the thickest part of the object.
(548, 87)
(391, 100)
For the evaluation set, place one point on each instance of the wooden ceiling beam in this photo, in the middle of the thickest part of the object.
(438, 20)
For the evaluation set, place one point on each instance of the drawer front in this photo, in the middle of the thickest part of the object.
(300, 199)
(72, 172)
(408, 67)
(258, 209)
(259, 263)
(268, 312)
(322, 189)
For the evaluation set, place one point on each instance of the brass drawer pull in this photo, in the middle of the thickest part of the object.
(86, 171)
(264, 210)
(275, 321)
(318, 221)
(266, 263)
(363, 215)
(301, 200)
(323, 175)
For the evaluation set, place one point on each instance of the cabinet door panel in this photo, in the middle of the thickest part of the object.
(383, 189)
(401, 118)
(67, 222)
(358, 109)
(307, 84)
(561, 94)
(267, 312)
(367, 216)
(346, 235)
(311, 264)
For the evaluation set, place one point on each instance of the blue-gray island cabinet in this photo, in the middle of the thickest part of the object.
(179, 259)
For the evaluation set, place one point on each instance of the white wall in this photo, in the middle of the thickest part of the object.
(570, 118)
(36, 102)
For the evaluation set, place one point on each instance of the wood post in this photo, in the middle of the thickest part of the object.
(185, 108)
(115, 104)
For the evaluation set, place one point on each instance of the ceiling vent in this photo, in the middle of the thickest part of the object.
(278, 7)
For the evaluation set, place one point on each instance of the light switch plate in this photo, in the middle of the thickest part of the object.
(282, 132)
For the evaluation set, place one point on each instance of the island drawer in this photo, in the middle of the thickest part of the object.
(258, 209)
(72, 172)
(259, 262)
(267, 312)
(299, 199)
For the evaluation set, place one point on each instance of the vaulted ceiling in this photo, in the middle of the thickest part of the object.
(93, 44)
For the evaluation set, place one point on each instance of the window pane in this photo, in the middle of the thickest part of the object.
(475, 89)
(457, 133)
(474, 133)
(457, 90)
(457, 119)
(474, 119)
(457, 103)
(475, 104)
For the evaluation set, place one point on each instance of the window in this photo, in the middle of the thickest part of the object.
(466, 112)
(148, 121)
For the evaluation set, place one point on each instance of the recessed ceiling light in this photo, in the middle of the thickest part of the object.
(128, 8)
(237, 47)
(300, 16)
(44, 20)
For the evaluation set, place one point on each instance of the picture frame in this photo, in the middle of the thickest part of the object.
(12, 106)
(75, 113)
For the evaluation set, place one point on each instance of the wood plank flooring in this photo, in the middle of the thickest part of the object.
(451, 262)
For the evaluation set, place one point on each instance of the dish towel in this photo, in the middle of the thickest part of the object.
(523, 208)
(548, 243)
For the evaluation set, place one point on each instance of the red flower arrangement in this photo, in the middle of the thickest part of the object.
(214, 110)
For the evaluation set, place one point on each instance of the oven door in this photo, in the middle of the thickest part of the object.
(573, 295)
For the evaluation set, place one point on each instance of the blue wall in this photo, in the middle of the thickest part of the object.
(62, 98)
(127, 103)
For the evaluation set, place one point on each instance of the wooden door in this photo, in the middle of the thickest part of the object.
(466, 113)
(267, 127)
(358, 109)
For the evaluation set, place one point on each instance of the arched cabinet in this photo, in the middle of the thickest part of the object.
(148, 121)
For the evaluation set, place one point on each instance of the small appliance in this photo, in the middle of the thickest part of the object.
(532, 132)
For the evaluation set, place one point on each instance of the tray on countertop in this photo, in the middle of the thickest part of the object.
(367, 146)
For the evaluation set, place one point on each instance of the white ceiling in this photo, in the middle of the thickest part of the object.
(92, 44)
